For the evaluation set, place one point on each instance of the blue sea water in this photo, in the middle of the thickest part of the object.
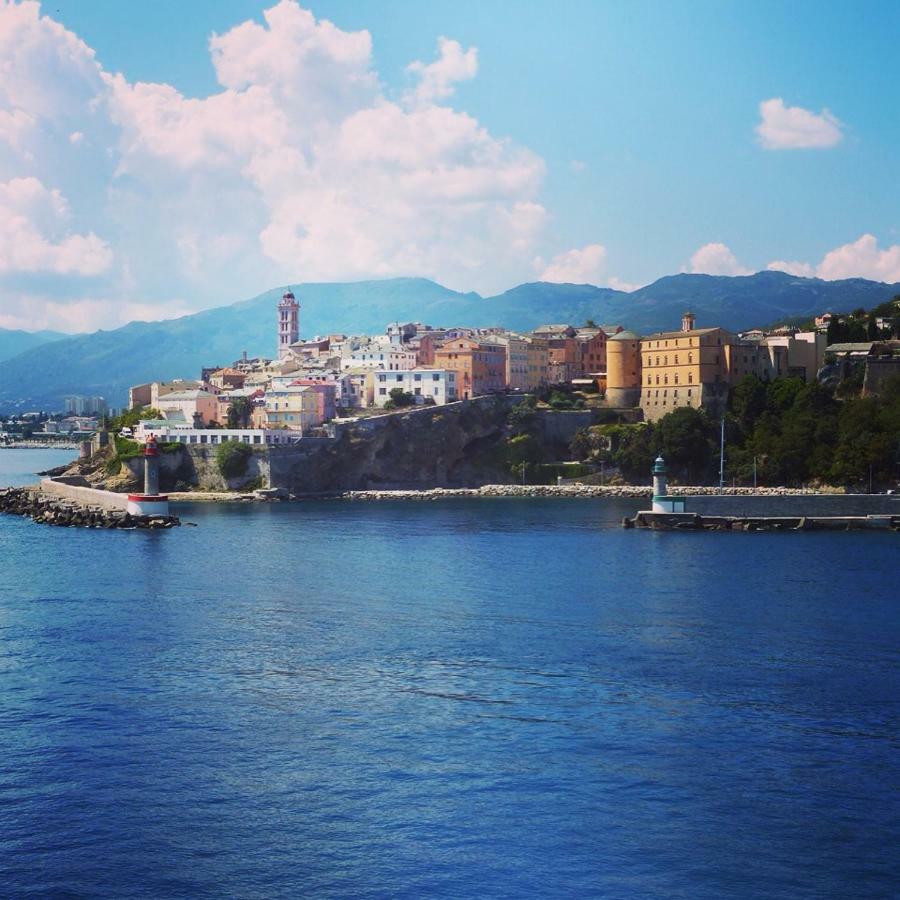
(458, 699)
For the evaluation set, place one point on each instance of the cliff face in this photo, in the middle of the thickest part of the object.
(450, 446)
(461, 445)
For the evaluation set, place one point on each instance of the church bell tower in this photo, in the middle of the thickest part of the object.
(288, 323)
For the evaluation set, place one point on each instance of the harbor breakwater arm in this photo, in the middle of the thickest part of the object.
(70, 505)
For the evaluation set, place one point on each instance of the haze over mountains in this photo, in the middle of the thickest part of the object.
(106, 363)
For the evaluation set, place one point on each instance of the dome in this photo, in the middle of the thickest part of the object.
(288, 295)
(625, 336)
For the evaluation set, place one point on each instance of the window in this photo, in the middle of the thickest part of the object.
(690, 377)
(257, 439)
(417, 377)
(676, 378)
(382, 391)
(676, 359)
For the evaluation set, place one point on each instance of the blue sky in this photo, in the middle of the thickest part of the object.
(628, 127)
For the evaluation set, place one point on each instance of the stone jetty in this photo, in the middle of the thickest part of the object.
(52, 510)
(564, 490)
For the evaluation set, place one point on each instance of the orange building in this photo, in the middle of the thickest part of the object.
(480, 367)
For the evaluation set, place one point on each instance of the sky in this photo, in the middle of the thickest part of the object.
(158, 159)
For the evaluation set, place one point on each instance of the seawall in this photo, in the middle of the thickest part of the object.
(817, 505)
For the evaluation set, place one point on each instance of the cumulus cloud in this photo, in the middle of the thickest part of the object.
(437, 79)
(793, 128)
(805, 270)
(716, 259)
(33, 238)
(862, 259)
(300, 167)
(586, 265)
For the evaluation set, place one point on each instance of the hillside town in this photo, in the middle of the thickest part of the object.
(314, 382)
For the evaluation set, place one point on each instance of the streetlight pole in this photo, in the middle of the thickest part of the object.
(722, 454)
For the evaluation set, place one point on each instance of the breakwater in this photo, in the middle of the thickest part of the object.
(57, 510)
(567, 490)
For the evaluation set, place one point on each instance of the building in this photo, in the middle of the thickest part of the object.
(226, 379)
(295, 408)
(195, 407)
(562, 351)
(480, 367)
(149, 394)
(684, 368)
(516, 347)
(379, 354)
(288, 323)
(623, 370)
(86, 406)
(326, 396)
(436, 386)
(538, 363)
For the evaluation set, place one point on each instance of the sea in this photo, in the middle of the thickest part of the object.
(468, 698)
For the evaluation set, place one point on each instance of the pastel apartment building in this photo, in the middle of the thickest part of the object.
(480, 367)
(426, 385)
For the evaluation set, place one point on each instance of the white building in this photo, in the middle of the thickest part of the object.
(425, 385)
(165, 432)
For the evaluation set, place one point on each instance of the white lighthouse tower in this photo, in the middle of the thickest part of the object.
(288, 323)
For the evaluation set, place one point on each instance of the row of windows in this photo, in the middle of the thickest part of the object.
(688, 342)
(665, 393)
(436, 376)
(666, 378)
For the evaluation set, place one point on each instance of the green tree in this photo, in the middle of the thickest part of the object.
(687, 438)
(233, 459)
(240, 412)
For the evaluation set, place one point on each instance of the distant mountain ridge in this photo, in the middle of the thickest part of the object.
(14, 342)
(108, 362)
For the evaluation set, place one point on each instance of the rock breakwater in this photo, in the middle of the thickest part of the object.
(576, 491)
(49, 510)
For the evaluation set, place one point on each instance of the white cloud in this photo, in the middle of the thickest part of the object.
(300, 168)
(792, 127)
(619, 285)
(586, 265)
(33, 235)
(802, 269)
(437, 79)
(716, 259)
(862, 259)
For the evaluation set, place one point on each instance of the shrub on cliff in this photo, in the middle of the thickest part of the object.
(233, 458)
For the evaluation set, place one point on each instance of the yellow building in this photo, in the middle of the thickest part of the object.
(294, 407)
(538, 351)
(623, 370)
(685, 368)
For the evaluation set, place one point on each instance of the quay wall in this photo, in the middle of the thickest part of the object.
(84, 495)
(794, 505)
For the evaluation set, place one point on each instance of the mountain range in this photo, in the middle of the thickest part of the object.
(106, 363)
(13, 342)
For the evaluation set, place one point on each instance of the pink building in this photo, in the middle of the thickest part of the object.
(326, 393)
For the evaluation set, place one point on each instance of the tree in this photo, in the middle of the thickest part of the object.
(240, 412)
(399, 399)
(522, 414)
(233, 459)
(686, 439)
(634, 449)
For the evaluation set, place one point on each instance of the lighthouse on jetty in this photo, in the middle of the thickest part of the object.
(151, 502)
